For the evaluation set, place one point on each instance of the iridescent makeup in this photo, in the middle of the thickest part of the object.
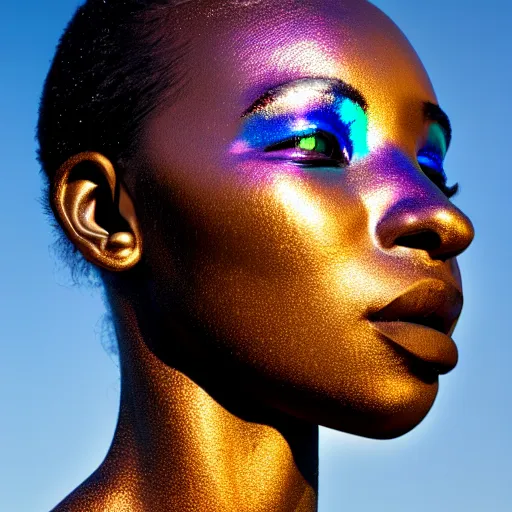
(323, 123)
(431, 155)
(309, 122)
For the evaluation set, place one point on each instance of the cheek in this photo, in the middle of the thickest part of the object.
(277, 269)
(258, 238)
(271, 220)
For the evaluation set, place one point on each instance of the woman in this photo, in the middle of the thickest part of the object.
(261, 189)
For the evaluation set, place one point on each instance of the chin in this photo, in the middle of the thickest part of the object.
(393, 417)
(385, 413)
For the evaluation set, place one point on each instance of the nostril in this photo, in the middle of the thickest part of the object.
(425, 239)
(436, 227)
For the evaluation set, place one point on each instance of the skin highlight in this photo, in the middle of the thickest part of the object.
(244, 283)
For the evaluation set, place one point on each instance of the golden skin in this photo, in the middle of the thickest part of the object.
(241, 287)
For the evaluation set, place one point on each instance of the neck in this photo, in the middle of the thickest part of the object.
(189, 450)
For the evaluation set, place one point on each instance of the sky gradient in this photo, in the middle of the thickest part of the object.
(59, 391)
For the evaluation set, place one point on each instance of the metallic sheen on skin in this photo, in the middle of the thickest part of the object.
(244, 287)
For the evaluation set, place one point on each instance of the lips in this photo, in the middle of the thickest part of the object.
(421, 320)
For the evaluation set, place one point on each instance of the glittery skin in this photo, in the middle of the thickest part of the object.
(245, 324)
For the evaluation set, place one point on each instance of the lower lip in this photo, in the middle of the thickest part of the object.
(431, 346)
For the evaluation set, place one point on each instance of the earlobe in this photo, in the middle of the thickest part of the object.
(96, 212)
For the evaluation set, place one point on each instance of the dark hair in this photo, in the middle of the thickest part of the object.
(112, 67)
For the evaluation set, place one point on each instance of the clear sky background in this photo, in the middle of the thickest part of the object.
(59, 388)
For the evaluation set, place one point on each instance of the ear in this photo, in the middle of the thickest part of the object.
(96, 212)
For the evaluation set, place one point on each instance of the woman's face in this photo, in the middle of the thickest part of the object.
(291, 192)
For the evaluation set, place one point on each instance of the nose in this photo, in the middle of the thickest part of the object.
(432, 224)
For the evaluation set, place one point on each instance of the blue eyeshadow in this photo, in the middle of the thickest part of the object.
(343, 118)
(433, 153)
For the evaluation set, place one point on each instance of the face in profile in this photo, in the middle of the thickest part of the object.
(296, 217)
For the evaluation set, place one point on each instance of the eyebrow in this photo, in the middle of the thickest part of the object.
(334, 86)
(435, 113)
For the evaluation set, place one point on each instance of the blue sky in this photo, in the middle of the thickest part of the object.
(59, 392)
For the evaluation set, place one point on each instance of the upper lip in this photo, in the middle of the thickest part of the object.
(430, 302)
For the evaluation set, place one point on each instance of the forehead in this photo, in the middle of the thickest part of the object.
(279, 41)
(237, 50)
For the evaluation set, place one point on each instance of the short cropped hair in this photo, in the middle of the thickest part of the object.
(116, 62)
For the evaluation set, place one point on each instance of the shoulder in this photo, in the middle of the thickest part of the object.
(100, 494)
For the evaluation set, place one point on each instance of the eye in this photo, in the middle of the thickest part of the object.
(431, 164)
(317, 149)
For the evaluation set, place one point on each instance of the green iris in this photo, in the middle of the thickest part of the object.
(312, 143)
